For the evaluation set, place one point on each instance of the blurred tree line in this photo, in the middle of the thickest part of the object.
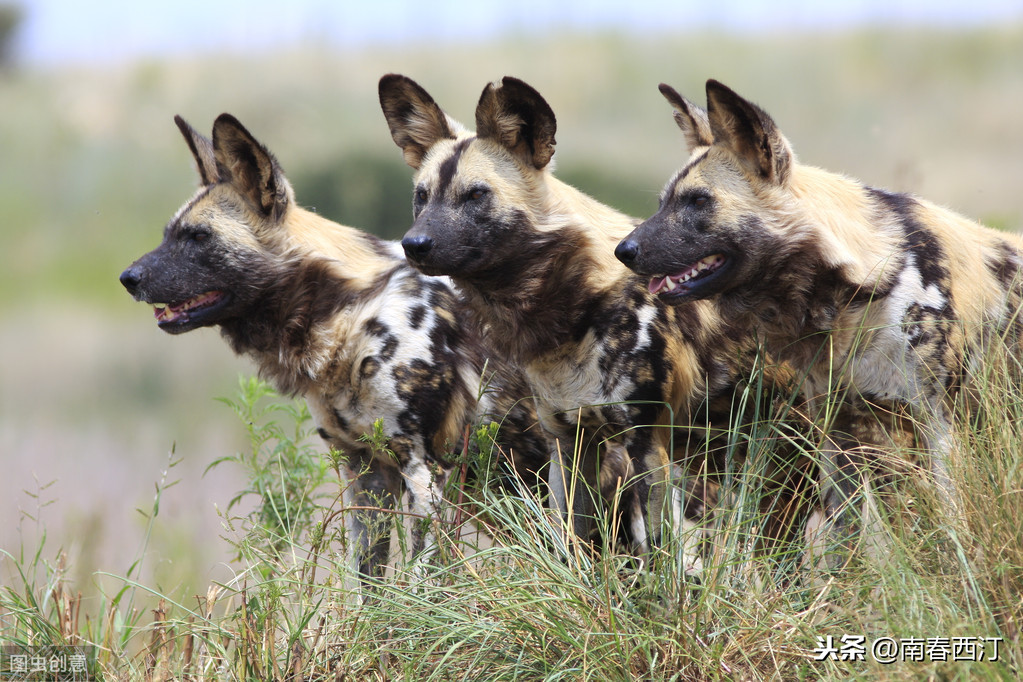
(375, 193)
(361, 190)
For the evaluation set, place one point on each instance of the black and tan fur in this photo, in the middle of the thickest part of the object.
(872, 295)
(534, 258)
(337, 316)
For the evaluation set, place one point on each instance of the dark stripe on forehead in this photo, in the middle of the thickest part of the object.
(446, 172)
(681, 175)
(183, 211)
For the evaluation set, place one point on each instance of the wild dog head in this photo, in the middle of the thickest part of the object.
(214, 261)
(475, 197)
(710, 234)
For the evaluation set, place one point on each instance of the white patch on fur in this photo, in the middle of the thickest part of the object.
(646, 315)
(640, 539)
(563, 385)
(425, 491)
(692, 563)
(884, 363)
(395, 250)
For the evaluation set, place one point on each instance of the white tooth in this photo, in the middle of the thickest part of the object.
(670, 283)
(688, 276)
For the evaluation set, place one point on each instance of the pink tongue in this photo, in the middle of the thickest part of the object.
(656, 284)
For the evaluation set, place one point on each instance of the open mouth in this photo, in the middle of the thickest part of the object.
(179, 314)
(691, 280)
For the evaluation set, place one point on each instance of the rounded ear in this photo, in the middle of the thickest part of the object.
(250, 168)
(202, 152)
(691, 118)
(517, 117)
(749, 133)
(415, 120)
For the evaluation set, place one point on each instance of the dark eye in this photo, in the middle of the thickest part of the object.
(422, 195)
(699, 200)
(197, 235)
(477, 193)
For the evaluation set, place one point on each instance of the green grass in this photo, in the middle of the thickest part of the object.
(532, 605)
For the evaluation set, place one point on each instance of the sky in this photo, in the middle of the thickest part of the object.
(106, 30)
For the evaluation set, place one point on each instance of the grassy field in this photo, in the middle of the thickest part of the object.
(96, 404)
(511, 599)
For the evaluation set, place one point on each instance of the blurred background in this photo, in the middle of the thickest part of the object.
(921, 96)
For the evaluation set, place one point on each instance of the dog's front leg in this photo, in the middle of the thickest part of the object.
(620, 491)
(662, 492)
(938, 439)
(850, 509)
(371, 496)
(424, 483)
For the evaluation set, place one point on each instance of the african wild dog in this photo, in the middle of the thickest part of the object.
(535, 259)
(876, 297)
(336, 315)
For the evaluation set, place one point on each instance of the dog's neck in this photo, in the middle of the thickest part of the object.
(358, 257)
(543, 300)
(823, 269)
(545, 293)
(282, 328)
(796, 302)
